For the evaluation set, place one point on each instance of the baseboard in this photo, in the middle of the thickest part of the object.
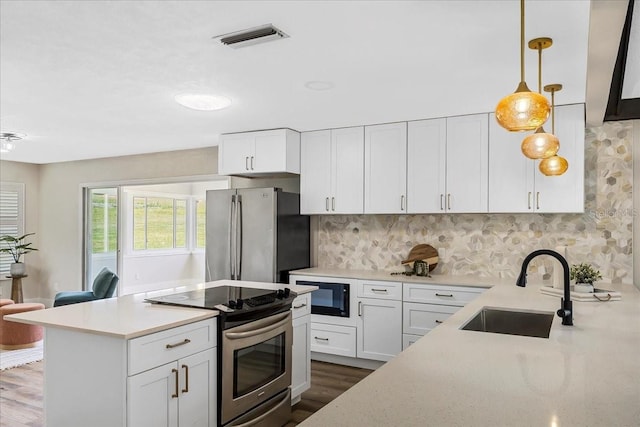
(344, 360)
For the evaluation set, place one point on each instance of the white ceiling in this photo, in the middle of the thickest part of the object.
(89, 79)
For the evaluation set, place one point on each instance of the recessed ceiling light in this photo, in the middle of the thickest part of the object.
(319, 85)
(202, 102)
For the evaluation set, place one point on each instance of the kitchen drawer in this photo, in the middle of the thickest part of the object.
(301, 306)
(438, 294)
(408, 339)
(418, 319)
(333, 339)
(379, 289)
(157, 349)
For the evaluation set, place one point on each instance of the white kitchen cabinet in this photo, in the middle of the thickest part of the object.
(181, 393)
(333, 339)
(447, 165)
(259, 153)
(419, 319)
(332, 171)
(408, 339)
(301, 352)
(379, 327)
(385, 168)
(515, 182)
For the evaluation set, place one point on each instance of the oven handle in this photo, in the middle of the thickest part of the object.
(280, 320)
(256, 420)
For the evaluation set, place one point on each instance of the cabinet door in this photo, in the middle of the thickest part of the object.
(315, 172)
(467, 163)
(301, 356)
(565, 193)
(385, 168)
(269, 152)
(347, 170)
(510, 172)
(151, 397)
(379, 333)
(426, 160)
(234, 153)
(197, 404)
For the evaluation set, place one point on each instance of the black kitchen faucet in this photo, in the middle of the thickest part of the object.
(566, 308)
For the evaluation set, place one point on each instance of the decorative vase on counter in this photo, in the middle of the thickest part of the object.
(583, 287)
(17, 269)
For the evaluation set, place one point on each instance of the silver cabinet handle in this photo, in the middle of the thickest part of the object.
(529, 200)
(185, 341)
(175, 395)
(186, 379)
(359, 308)
(379, 290)
(321, 339)
(441, 202)
(444, 295)
(438, 321)
(333, 203)
(326, 204)
(449, 201)
(251, 162)
(299, 306)
(537, 200)
(402, 202)
(246, 163)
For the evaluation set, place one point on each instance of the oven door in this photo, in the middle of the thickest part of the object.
(256, 364)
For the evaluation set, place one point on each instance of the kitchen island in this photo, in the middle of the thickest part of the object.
(582, 375)
(122, 361)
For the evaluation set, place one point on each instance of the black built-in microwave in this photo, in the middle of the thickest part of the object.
(330, 299)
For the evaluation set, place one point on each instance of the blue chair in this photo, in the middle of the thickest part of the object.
(104, 285)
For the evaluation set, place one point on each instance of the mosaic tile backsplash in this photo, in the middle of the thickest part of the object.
(494, 245)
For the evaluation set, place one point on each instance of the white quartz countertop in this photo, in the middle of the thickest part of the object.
(582, 375)
(130, 316)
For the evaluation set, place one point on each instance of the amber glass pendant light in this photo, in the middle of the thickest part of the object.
(540, 144)
(554, 165)
(523, 109)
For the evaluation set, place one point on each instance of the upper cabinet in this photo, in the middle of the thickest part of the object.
(448, 165)
(385, 168)
(258, 153)
(332, 171)
(516, 184)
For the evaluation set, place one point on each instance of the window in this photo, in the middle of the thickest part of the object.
(159, 223)
(104, 221)
(11, 217)
(201, 206)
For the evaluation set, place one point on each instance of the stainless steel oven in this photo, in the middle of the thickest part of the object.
(256, 372)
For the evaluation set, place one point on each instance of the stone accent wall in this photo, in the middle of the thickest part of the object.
(494, 245)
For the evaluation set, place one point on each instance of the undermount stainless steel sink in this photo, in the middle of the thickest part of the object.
(511, 322)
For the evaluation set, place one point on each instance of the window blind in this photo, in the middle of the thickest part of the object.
(11, 218)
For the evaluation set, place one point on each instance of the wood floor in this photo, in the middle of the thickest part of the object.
(21, 392)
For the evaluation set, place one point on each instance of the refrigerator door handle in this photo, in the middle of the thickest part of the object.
(239, 238)
(232, 235)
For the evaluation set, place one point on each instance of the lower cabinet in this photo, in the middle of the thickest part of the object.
(408, 339)
(333, 339)
(181, 393)
(301, 352)
(379, 334)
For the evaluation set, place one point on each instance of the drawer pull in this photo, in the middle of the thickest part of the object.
(299, 306)
(186, 379)
(321, 339)
(175, 395)
(444, 295)
(438, 321)
(186, 341)
(378, 290)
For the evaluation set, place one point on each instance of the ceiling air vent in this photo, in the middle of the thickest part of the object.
(255, 35)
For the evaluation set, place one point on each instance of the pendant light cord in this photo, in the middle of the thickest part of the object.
(521, 40)
(553, 112)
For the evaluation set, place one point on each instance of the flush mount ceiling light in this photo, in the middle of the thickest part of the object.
(7, 141)
(319, 85)
(202, 102)
(540, 144)
(251, 36)
(554, 165)
(523, 109)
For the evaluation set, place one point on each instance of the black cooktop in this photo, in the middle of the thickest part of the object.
(230, 300)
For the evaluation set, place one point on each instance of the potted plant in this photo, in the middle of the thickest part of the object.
(16, 246)
(584, 276)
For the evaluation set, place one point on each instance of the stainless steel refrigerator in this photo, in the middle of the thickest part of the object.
(255, 234)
